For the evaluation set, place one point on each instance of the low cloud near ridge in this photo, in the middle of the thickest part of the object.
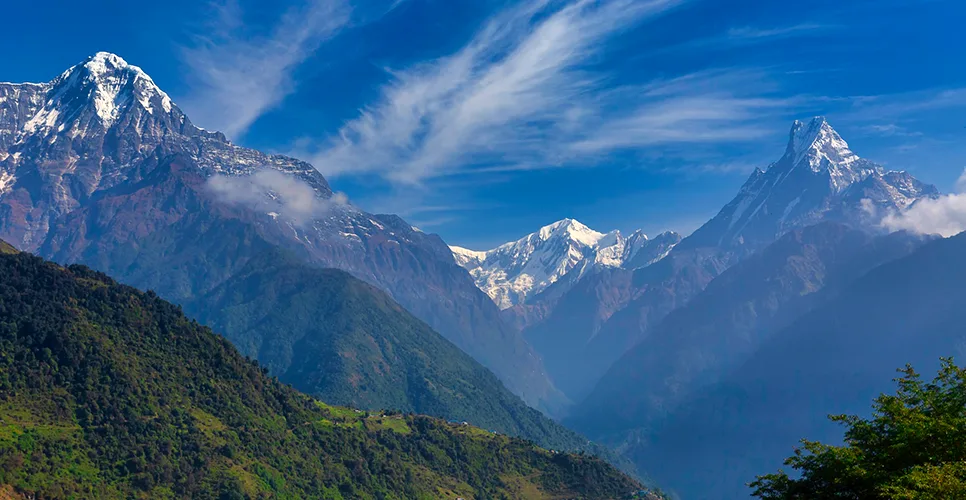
(945, 215)
(270, 191)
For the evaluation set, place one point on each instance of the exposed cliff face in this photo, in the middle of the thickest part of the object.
(100, 167)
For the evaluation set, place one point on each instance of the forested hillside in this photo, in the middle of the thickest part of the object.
(346, 342)
(107, 392)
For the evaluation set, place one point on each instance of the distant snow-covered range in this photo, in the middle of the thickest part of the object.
(515, 271)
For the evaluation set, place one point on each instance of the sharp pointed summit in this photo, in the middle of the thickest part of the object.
(818, 147)
(114, 83)
(99, 166)
(817, 141)
(94, 95)
(818, 178)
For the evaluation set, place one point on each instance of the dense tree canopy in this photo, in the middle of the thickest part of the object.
(108, 392)
(345, 342)
(913, 447)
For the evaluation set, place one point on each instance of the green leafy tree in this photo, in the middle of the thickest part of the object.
(913, 447)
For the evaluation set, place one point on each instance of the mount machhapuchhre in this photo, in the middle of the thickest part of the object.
(629, 339)
(645, 350)
(582, 303)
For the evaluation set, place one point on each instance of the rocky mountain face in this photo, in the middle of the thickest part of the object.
(100, 167)
(604, 315)
(558, 254)
(698, 343)
(833, 359)
(817, 179)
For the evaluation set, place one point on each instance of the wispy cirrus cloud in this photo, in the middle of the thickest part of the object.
(890, 130)
(742, 37)
(520, 95)
(903, 105)
(705, 107)
(236, 76)
(746, 33)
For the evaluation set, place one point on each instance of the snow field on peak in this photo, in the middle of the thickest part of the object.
(515, 271)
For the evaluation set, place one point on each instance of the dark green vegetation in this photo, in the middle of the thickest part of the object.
(912, 448)
(107, 392)
(347, 343)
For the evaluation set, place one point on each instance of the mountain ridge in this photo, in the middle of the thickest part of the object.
(562, 252)
(831, 360)
(119, 165)
(737, 312)
(614, 312)
(346, 342)
(109, 392)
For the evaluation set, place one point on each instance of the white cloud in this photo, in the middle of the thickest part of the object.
(945, 215)
(710, 106)
(742, 37)
(519, 95)
(890, 107)
(237, 76)
(890, 130)
(270, 191)
(751, 33)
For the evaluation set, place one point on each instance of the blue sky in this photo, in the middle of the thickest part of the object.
(482, 119)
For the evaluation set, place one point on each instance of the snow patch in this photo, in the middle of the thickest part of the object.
(515, 271)
(788, 210)
(6, 181)
(44, 119)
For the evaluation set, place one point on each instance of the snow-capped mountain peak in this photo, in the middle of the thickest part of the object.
(818, 178)
(97, 125)
(111, 84)
(817, 141)
(572, 230)
(110, 74)
(104, 83)
(817, 146)
(514, 271)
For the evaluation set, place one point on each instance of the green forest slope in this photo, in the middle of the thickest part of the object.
(107, 392)
(337, 338)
